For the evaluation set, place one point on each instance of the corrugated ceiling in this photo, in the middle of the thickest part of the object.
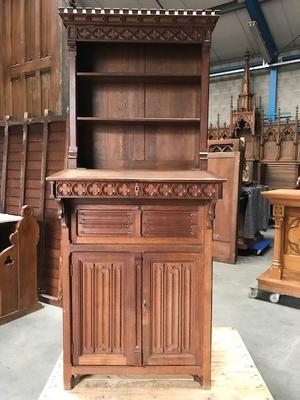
(232, 36)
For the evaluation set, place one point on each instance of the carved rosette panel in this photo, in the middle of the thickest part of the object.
(293, 236)
(140, 34)
(170, 190)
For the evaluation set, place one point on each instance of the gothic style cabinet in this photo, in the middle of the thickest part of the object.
(137, 204)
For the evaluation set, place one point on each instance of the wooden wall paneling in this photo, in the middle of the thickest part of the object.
(27, 153)
(2, 80)
(44, 161)
(44, 142)
(281, 175)
(6, 52)
(31, 32)
(33, 168)
(1, 158)
(4, 166)
(14, 157)
(55, 160)
(23, 160)
(226, 164)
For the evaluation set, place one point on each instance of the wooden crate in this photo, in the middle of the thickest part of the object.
(234, 377)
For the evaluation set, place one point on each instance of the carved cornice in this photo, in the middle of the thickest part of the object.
(124, 25)
(130, 190)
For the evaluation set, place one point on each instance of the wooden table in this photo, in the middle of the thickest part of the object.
(283, 277)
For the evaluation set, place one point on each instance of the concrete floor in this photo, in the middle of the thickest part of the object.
(29, 346)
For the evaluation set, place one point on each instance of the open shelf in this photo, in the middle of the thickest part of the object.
(138, 77)
(135, 121)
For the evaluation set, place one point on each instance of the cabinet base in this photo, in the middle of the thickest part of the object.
(227, 348)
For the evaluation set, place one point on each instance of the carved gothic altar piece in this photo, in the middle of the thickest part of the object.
(272, 151)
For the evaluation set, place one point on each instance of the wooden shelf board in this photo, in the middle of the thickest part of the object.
(137, 175)
(135, 121)
(138, 77)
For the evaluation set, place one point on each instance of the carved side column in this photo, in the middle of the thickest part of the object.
(72, 153)
(203, 154)
(277, 265)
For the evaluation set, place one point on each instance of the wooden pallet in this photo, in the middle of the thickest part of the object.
(234, 377)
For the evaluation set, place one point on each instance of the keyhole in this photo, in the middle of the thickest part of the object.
(9, 261)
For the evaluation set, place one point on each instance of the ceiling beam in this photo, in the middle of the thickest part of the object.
(256, 14)
(229, 6)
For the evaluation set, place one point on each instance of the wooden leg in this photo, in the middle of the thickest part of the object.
(198, 379)
(68, 379)
(206, 382)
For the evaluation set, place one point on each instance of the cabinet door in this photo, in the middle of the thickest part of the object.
(104, 309)
(172, 309)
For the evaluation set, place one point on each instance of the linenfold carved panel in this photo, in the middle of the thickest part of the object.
(171, 303)
(105, 222)
(175, 223)
(101, 293)
(173, 318)
(138, 190)
(103, 308)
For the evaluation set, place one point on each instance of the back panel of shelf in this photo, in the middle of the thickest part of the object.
(140, 103)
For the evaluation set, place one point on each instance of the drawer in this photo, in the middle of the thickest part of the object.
(136, 224)
(170, 222)
(106, 221)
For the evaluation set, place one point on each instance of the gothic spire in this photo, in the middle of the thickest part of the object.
(246, 97)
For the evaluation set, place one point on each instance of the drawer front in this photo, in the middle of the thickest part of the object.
(102, 221)
(170, 222)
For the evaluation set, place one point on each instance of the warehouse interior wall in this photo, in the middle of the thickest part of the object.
(223, 87)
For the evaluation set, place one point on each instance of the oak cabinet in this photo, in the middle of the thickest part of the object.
(137, 202)
(154, 293)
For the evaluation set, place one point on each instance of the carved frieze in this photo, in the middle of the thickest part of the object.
(140, 34)
(205, 191)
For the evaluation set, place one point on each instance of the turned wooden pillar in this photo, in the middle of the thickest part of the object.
(278, 212)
